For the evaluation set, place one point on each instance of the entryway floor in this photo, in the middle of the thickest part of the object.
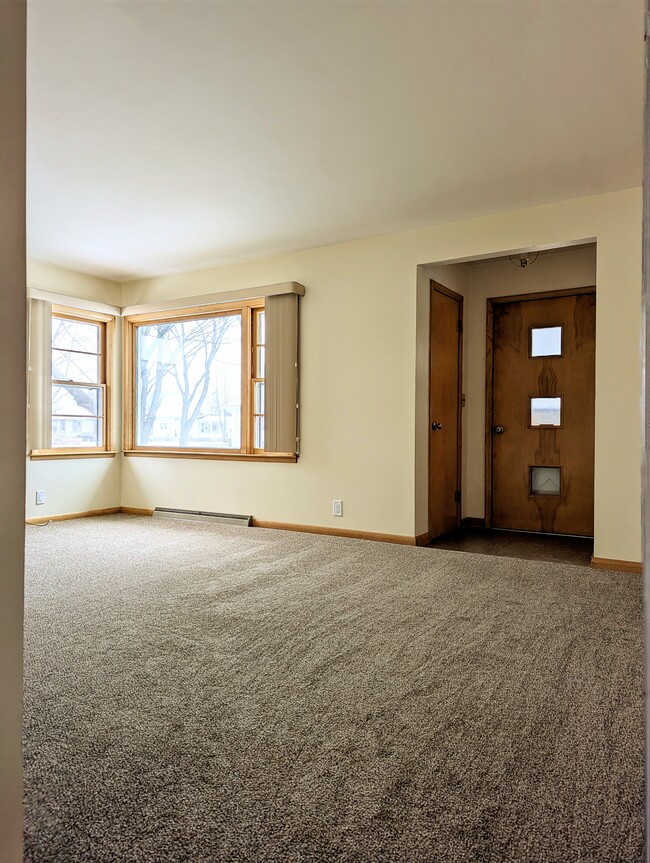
(528, 546)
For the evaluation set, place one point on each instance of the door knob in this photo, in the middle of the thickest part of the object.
(499, 429)
(436, 426)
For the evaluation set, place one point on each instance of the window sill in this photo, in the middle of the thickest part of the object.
(285, 457)
(43, 454)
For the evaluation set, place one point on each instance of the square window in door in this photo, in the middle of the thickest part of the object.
(546, 412)
(546, 480)
(546, 341)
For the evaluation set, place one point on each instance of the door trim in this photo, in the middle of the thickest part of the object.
(489, 373)
(436, 286)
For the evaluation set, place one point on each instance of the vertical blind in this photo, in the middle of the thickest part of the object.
(281, 388)
(40, 375)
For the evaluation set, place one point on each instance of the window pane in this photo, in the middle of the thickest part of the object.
(69, 366)
(546, 412)
(259, 363)
(189, 383)
(75, 335)
(260, 328)
(545, 480)
(72, 400)
(259, 398)
(75, 432)
(259, 432)
(546, 342)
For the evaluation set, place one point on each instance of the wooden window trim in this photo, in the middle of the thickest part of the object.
(69, 452)
(106, 385)
(247, 309)
(234, 455)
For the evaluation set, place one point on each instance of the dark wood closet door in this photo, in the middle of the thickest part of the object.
(445, 378)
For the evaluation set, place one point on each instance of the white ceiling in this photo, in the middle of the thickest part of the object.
(177, 135)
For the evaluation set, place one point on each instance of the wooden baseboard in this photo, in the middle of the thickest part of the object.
(90, 513)
(473, 522)
(422, 539)
(631, 566)
(336, 531)
(616, 565)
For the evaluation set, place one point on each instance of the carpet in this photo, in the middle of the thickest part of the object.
(201, 693)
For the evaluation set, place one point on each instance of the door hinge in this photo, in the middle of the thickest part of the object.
(456, 496)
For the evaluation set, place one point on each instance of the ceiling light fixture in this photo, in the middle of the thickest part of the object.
(523, 261)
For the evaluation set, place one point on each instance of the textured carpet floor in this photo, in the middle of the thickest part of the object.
(202, 693)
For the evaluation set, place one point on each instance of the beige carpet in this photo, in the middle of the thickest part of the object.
(202, 693)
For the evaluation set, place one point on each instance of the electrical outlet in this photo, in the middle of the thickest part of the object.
(337, 507)
(40, 497)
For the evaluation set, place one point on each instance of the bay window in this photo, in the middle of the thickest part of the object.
(195, 383)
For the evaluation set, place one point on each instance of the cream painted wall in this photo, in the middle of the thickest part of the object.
(557, 270)
(72, 485)
(76, 485)
(359, 361)
(61, 281)
(12, 421)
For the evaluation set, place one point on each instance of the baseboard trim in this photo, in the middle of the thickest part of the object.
(68, 516)
(473, 522)
(617, 565)
(398, 539)
(135, 510)
(336, 531)
(631, 566)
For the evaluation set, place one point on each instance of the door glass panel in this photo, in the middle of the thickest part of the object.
(546, 342)
(546, 411)
(545, 480)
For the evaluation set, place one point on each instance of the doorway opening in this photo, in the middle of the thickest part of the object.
(521, 451)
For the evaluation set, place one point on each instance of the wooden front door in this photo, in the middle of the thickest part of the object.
(444, 410)
(541, 413)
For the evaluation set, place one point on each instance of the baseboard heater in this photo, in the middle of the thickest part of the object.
(198, 515)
